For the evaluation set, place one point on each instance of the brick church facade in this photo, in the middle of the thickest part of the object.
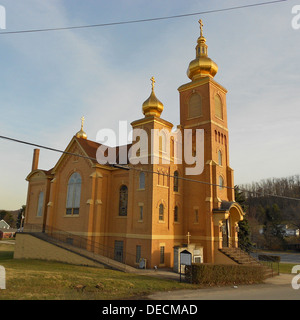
(149, 211)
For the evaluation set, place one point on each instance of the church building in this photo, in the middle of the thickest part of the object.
(149, 211)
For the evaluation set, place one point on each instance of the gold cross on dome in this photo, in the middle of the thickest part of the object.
(201, 27)
(82, 122)
(153, 81)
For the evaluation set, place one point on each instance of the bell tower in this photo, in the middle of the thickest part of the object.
(203, 106)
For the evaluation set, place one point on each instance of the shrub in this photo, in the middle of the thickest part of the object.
(216, 274)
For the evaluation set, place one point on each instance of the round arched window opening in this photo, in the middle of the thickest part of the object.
(221, 182)
(195, 106)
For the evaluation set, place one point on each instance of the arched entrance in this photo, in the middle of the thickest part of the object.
(226, 218)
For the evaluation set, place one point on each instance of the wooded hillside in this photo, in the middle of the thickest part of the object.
(268, 213)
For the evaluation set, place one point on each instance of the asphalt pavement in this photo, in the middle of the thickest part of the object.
(285, 257)
(276, 288)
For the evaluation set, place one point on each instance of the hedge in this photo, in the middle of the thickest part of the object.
(217, 274)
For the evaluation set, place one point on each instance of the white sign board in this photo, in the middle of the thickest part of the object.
(185, 258)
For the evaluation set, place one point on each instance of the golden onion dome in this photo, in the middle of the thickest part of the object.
(152, 106)
(81, 133)
(202, 66)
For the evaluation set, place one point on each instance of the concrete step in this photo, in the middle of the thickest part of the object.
(242, 257)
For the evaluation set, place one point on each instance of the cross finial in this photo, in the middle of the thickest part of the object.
(82, 122)
(188, 236)
(201, 27)
(153, 82)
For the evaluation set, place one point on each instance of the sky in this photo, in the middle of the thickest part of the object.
(51, 79)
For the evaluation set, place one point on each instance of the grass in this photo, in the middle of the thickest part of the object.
(283, 267)
(47, 280)
(286, 267)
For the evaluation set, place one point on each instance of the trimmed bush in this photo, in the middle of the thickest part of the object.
(217, 274)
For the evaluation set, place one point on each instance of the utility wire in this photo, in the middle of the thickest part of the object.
(126, 167)
(143, 20)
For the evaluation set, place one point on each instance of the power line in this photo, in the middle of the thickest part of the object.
(126, 167)
(143, 20)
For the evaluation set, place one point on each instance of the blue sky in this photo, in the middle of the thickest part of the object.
(51, 79)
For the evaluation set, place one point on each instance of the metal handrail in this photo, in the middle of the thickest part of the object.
(78, 241)
(239, 252)
(270, 261)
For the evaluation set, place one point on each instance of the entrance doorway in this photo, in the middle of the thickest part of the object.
(118, 256)
(225, 233)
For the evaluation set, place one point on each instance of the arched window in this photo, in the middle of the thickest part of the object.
(162, 141)
(74, 192)
(123, 200)
(195, 106)
(218, 107)
(142, 180)
(219, 157)
(176, 218)
(221, 182)
(40, 204)
(161, 212)
(176, 184)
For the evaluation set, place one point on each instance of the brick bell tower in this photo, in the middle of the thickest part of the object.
(203, 106)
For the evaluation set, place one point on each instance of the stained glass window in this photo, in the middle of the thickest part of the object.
(123, 200)
(74, 193)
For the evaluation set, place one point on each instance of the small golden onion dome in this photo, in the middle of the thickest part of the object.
(81, 133)
(202, 66)
(152, 106)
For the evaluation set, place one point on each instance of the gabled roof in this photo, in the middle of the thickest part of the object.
(89, 149)
(47, 173)
(4, 224)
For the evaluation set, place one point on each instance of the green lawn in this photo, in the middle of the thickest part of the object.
(283, 267)
(35, 279)
(45, 280)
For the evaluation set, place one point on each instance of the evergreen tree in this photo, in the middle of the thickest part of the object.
(2, 214)
(273, 232)
(244, 234)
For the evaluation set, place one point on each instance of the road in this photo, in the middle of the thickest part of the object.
(277, 288)
(285, 257)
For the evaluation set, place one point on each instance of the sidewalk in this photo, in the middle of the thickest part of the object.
(276, 288)
(282, 279)
(7, 241)
(161, 273)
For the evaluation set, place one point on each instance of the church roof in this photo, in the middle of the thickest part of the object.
(90, 147)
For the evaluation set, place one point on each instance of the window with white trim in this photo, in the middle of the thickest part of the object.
(40, 204)
(73, 195)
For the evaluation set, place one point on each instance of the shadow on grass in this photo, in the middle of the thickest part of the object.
(6, 255)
